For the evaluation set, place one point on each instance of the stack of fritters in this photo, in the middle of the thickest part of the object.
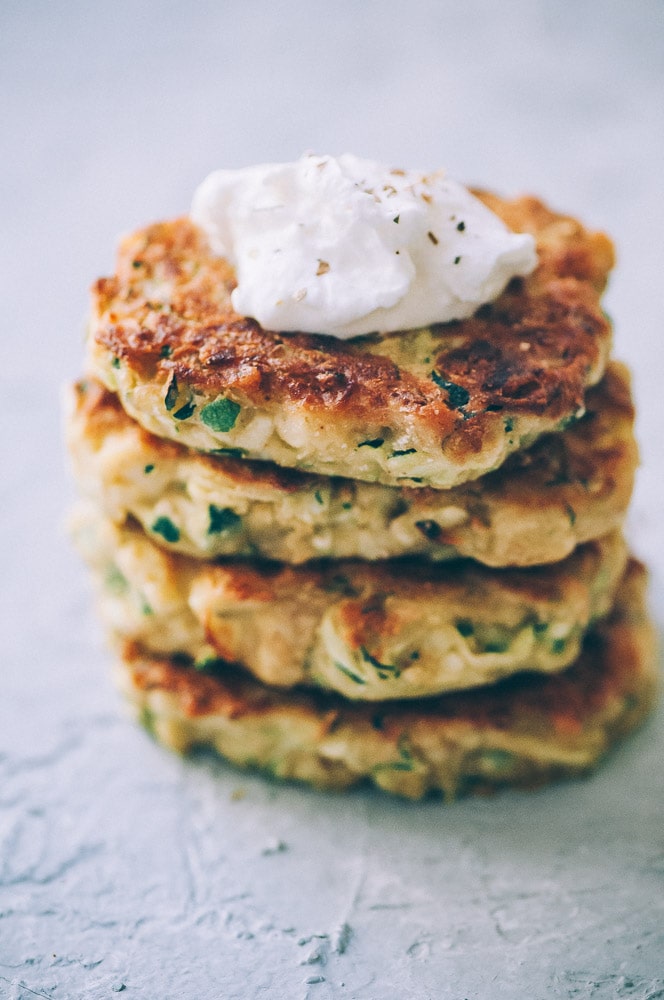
(397, 557)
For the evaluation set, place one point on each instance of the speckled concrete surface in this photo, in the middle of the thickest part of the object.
(122, 868)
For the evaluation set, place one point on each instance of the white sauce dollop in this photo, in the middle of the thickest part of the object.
(345, 246)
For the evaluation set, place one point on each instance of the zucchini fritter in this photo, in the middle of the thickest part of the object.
(565, 490)
(372, 631)
(526, 731)
(438, 406)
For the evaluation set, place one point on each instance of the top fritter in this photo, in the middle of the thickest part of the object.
(438, 406)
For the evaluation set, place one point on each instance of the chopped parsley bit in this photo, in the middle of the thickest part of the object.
(148, 468)
(457, 259)
(137, 263)
(346, 505)
(185, 411)
(461, 226)
(166, 351)
(374, 443)
(558, 646)
(222, 519)
(496, 646)
(567, 421)
(405, 451)
(497, 760)
(509, 425)
(395, 219)
(147, 719)
(210, 665)
(457, 396)
(464, 627)
(115, 581)
(384, 670)
(318, 496)
(221, 414)
(116, 362)
(171, 397)
(406, 760)
(164, 526)
(323, 267)
(571, 513)
(145, 608)
(229, 452)
(433, 238)
(430, 529)
(349, 673)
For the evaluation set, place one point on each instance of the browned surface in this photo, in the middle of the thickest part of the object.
(528, 353)
(611, 685)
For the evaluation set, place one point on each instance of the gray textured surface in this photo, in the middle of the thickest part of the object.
(122, 868)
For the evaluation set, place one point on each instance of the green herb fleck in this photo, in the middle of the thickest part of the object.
(465, 627)
(116, 362)
(319, 497)
(229, 452)
(567, 421)
(373, 443)
(496, 646)
(221, 414)
(148, 468)
(406, 760)
(185, 411)
(497, 761)
(171, 397)
(166, 351)
(147, 719)
(349, 673)
(115, 581)
(210, 665)
(457, 259)
(164, 526)
(558, 646)
(430, 529)
(571, 513)
(461, 226)
(222, 519)
(457, 396)
(347, 505)
(384, 670)
(405, 451)
(509, 425)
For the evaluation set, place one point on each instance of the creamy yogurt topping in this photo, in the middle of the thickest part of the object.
(345, 246)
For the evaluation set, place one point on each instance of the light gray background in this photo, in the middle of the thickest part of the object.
(122, 868)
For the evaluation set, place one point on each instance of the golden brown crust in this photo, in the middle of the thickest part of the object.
(167, 315)
(371, 631)
(523, 731)
(565, 490)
